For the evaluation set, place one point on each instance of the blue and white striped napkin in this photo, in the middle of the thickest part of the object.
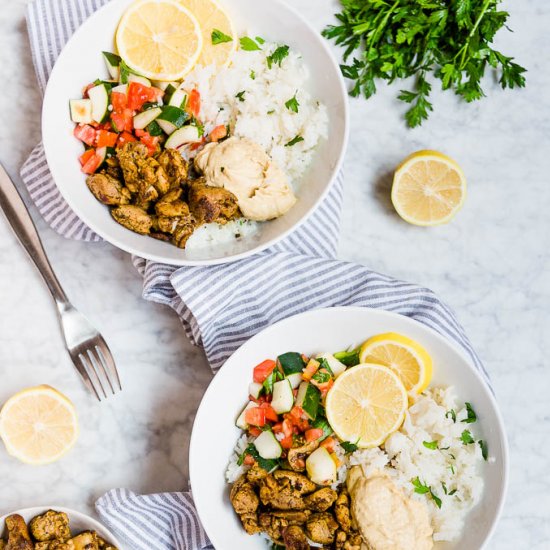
(220, 306)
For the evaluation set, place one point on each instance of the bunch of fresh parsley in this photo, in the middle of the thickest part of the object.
(445, 39)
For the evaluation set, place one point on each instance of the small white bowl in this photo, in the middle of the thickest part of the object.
(78, 522)
(215, 435)
(81, 62)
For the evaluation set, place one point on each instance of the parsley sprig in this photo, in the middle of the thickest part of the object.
(426, 39)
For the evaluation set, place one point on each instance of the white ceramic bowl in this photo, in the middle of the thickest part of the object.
(78, 522)
(214, 432)
(81, 62)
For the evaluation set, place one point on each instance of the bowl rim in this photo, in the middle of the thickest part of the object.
(505, 473)
(95, 524)
(82, 215)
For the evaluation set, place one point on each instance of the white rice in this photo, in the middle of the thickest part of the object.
(234, 471)
(213, 234)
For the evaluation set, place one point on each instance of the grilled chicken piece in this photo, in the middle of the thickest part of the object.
(342, 511)
(297, 456)
(2, 544)
(50, 526)
(280, 497)
(322, 528)
(321, 500)
(18, 534)
(212, 204)
(112, 167)
(273, 526)
(87, 540)
(108, 190)
(54, 545)
(293, 517)
(348, 541)
(295, 538)
(175, 166)
(298, 482)
(250, 523)
(256, 474)
(104, 545)
(133, 217)
(243, 498)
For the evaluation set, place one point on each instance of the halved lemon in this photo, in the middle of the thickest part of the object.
(213, 19)
(366, 404)
(407, 358)
(429, 188)
(38, 425)
(159, 39)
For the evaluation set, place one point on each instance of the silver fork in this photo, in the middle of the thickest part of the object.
(88, 350)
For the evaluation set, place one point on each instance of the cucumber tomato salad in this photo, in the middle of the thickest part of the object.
(129, 107)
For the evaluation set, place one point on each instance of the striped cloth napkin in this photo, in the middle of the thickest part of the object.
(220, 306)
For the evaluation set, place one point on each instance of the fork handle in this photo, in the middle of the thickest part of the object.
(21, 222)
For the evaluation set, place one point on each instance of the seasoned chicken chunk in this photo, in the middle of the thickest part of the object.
(133, 217)
(256, 474)
(297, 456)
(87, 540)
(243, 498)
(104, 545)
(108, 190)
(280, 497)
(212, 204)
(51, 525)
(342, 511)
(18, 534)
(298, 482)
(322, 528)
(250, 523)
(321, 500)
(175, 166)
(295, 538)
(53, 545)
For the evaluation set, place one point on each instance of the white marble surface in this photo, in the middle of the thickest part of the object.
(491, 265)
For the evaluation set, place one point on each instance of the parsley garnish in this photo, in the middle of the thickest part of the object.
(218, 37)
(436, 499)
(419, 487)
(253, 75)
(467, 438)
(430, 445)
(397, 39)
(271, 112)
(294, 141)
(240, 96)
(472, 417)
(349, 447)
(276, 58)
(292, 104)
(452, 414)
(484, 449)
(321, 376)
(248, 45)
(260, 40)
(451, 467)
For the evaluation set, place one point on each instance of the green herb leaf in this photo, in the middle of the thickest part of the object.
(260, 40)
(294, 141)
(248, 45)
(253, 75)
(484, 449)
(472, 417)
(444, 487)
(451, 414)
(451, 493)
(349, 447)
(218, 37)
(436, 499)
(292, 104)
(321, 376)
(467, 438)
(276, 58)
(430, 445)
(419, 487)
(240, 96)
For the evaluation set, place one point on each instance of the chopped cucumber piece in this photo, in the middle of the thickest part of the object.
(187, 134)
(113, 63)
(139, 79)
(81, 110)
(166, 126)
(254, 389)
(291, 362)
(154, 129)
(283, 398)
(241, 422)
(170, 89)
(178, 98)
(267, 445)
(322, 423)
(349, 358)
(321, 467)
(295, 379)
(308, 399)
(142, 120)
(337, 367)
(121, 89)
(161, 85)
(174, 115)
(100, 102)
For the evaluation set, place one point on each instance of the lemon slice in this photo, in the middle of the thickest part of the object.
(38, 425)
(429, 188)
(366, 404)
(407, 358)
(159, 39)
(211, 17)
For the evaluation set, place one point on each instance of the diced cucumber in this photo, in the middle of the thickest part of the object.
(291, 362)
(283, 398)
(337, 367)
(254, 389)
(100, 102)
(139, 79)
(295, 379)
(170, 89)
(154, 129)
(241, 422)
(81, 110)
(267, 445)
(349, 358)
(187, 134)
(161, 85)
(320, 467)
(178, 98)
(308, 399)
(167, 127)
(322, 423)
(113, 62)
(174, 115)
(143, 119)
(121, 89)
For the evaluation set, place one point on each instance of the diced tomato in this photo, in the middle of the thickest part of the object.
(85, 157)
(253, 431)
(125, 137)
(287, 428)
(295, 414)
(286, 443)
(119, 101)
(193, 106)
(138, 95)
(249, 460)
(329, 444)
(85, 133)
(195, 146)
(255, 416)
(263, 370)
(106, 139)
(151, 142)
(277, 428)
(157, 92)
(305, 359)
(219, 132)
(323, 386)
(311, 369)
(92, 164)
(313, 434)
(270, 413)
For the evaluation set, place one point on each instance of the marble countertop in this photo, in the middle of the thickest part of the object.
(491, 264)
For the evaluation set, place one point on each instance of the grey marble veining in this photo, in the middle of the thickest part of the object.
(491, 264)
